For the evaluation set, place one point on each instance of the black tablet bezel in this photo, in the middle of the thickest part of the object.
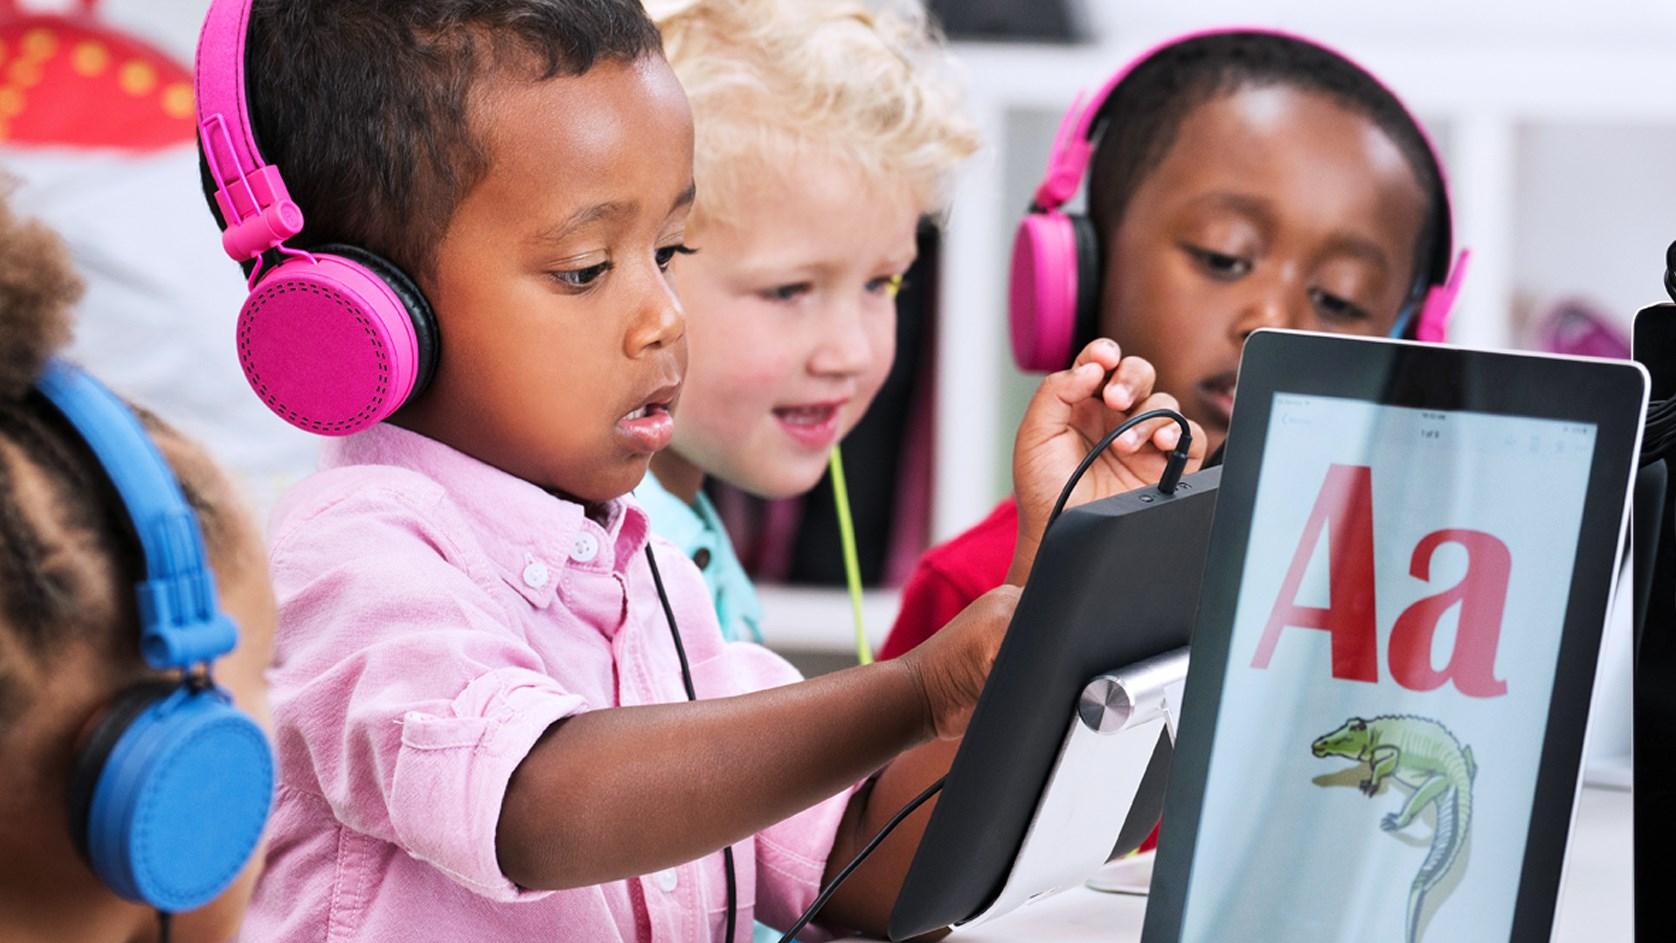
(1611, 395)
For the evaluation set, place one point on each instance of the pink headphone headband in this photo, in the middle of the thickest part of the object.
(1073, 145)
(256, 209)
(1052, 292)
(333, 339)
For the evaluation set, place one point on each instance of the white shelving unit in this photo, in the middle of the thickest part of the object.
(818, 619)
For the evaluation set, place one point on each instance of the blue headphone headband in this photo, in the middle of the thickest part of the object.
(172, 786)
(181, 623)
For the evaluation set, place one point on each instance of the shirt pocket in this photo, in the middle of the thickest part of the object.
(355, 880)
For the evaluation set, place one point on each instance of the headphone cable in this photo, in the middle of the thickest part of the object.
(832, 886)
(692, 695)
(852, 567)
(1173, 467)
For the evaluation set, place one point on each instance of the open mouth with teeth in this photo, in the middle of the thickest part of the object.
(648, 427)
(645, 410)
(813, 425)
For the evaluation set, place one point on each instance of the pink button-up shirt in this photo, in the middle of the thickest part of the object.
(436, 616)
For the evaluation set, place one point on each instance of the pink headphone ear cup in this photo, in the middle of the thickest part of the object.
(328, 344)
(1042, 292)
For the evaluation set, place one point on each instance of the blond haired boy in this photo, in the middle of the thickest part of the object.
(825, 131)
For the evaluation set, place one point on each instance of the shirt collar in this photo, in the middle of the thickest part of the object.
(518, 523)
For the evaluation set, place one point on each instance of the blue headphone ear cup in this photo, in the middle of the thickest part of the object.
(107, 728)
(1088, 280)
(425, 330)
(178, 801)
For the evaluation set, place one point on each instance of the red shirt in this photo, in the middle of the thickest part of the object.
(950, 576)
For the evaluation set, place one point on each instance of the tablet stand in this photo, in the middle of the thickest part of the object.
(1110, 740)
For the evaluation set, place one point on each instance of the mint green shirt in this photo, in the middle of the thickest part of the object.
(700, 535)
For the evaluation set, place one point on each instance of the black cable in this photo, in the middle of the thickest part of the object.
(860, 856)
(692, 695)
(1172, 468)
(165, 923)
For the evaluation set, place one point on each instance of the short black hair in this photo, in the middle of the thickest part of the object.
(1145, 112)
(364, 104)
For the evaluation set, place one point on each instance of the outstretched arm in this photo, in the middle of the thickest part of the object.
(612, 793)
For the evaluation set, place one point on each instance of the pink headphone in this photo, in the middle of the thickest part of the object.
(1054, 291)
(334, 339)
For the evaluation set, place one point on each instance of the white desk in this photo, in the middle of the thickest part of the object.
(1595, 900)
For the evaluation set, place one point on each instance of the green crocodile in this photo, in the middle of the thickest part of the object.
(1424, 756)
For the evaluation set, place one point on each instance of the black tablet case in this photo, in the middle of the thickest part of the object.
(1115, 582)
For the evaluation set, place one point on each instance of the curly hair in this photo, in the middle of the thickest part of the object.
(773, 81)
(68, 557)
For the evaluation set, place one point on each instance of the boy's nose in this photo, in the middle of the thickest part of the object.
(1271, 302)
(661, 321)
(845, 347)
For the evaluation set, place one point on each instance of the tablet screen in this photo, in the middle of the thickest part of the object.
(1392, 655)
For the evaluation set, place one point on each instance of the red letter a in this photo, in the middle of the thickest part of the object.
(1482, 595)
(1345, 507)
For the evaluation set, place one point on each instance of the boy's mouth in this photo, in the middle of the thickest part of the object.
(1216, 394)
(650, 427)
(814, 425)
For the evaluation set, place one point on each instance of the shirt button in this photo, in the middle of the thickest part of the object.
(585, 548)
(535, 573)
(701, 557)
(668, 880)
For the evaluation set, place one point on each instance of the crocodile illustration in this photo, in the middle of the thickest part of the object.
(1424, 756)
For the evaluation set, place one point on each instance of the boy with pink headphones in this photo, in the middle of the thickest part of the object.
(1237, 179)
(484, 659)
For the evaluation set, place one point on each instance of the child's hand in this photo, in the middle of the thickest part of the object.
(1071, 411)
(952, 665)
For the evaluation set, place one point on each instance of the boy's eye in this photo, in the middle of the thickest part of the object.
(888, 285)
(667, 254)
(1218, 264)
(1335, 308)
(581, 277)
(788, 292)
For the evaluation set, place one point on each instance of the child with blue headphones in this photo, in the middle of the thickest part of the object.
(484, 659)
(133, 791)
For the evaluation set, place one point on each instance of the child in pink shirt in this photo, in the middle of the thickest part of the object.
(481, 717)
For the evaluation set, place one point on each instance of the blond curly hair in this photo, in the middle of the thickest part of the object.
(773, 82)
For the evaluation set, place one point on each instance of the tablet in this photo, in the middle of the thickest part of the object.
(1411, 563)
(1114, 584)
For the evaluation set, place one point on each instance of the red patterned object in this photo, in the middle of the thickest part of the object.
(70, 81)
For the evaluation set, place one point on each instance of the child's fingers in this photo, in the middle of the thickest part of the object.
(1130, 383)
(1103, 351)
(1069, 388)
(1162, 432)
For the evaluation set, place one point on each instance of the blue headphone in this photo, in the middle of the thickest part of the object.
(172, 786)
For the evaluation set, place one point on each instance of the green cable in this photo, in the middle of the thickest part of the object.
(852, 567)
